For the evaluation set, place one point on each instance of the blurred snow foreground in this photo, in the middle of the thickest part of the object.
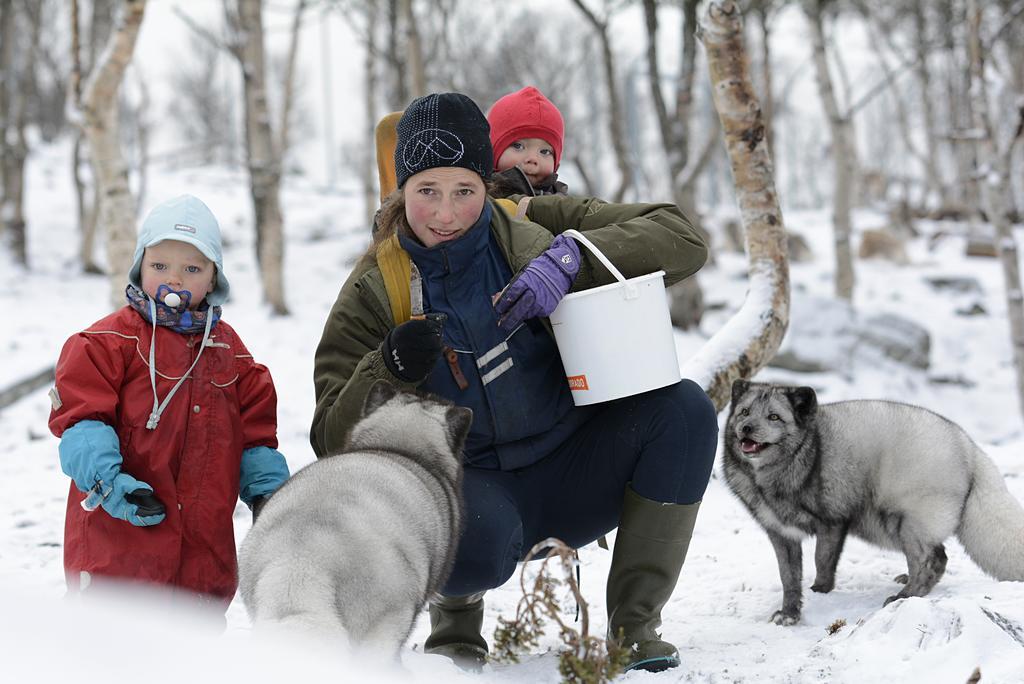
(126, 633)
(132, 634)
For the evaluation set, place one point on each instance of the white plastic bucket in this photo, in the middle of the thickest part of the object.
(615, 340)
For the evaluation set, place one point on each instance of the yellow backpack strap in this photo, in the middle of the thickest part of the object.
(394, 266)
(391, 258)
(512, 208)
(508, 205)
(386, 135)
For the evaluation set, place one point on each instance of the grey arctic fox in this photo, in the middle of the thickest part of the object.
(895, 475)
(352, 546)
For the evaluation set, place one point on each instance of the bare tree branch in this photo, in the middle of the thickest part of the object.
(1008, 19)
(205, 33)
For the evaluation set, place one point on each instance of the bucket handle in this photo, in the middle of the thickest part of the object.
(631, 290)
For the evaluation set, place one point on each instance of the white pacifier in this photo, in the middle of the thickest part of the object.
(172, 299)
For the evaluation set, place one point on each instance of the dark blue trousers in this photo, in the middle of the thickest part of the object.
(661, 442)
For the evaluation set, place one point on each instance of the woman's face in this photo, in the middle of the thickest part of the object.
(441, 204)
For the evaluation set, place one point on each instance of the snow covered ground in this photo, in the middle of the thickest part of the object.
(730, 586)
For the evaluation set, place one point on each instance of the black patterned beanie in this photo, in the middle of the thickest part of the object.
(443, 129)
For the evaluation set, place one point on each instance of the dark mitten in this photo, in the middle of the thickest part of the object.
(132, 500)
(146, 502)
(412, 349)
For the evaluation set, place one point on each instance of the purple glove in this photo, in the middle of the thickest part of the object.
(539, 287)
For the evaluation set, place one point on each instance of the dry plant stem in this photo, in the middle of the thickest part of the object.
(568, 558)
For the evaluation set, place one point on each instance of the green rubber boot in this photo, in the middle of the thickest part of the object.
(650, 548)
(455, 624)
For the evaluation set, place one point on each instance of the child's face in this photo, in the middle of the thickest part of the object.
(441, 204)
(534, 156)
(180, 266)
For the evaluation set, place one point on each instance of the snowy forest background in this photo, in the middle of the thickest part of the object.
(898, 174)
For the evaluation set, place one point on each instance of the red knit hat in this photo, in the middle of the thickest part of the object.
(525, 114)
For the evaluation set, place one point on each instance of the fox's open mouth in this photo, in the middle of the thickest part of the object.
(749, 446)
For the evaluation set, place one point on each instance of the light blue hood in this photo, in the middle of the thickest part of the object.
(185, 219)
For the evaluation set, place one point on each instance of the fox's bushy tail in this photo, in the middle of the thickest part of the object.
(992, 527)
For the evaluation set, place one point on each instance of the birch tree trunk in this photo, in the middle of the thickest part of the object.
(924, 77)
(675, 126)
(843, 155)
(396, 58)
(414, 52)
(99, 120)
(366, 159)
(615, 119)
(264, 160)
(17, 81)
(86, 210)
(957, 83)
(9, 183)
(994, 186)
(927, 157)
(752, 336)
(687, 299)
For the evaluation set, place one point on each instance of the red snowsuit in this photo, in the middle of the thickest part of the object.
(192, 459)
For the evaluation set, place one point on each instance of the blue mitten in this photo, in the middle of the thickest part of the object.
(90, 455)
(263, 471)
(537, 290)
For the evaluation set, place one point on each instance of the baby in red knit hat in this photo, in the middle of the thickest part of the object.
(526, 134)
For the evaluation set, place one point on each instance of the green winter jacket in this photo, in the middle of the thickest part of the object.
(637, 238)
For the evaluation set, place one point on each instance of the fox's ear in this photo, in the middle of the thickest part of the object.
(379, 394)
(805, 402)
(739, 388)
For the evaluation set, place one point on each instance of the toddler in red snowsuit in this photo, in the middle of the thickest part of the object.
(165, 420)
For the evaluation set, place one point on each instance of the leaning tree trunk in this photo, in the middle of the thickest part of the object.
(99, 120)
(752, 336)
(263, 158)
(995, 186)
(843, 155)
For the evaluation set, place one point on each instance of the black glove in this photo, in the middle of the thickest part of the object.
(412, 349)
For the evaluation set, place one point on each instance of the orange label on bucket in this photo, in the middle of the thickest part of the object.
(577, 382)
